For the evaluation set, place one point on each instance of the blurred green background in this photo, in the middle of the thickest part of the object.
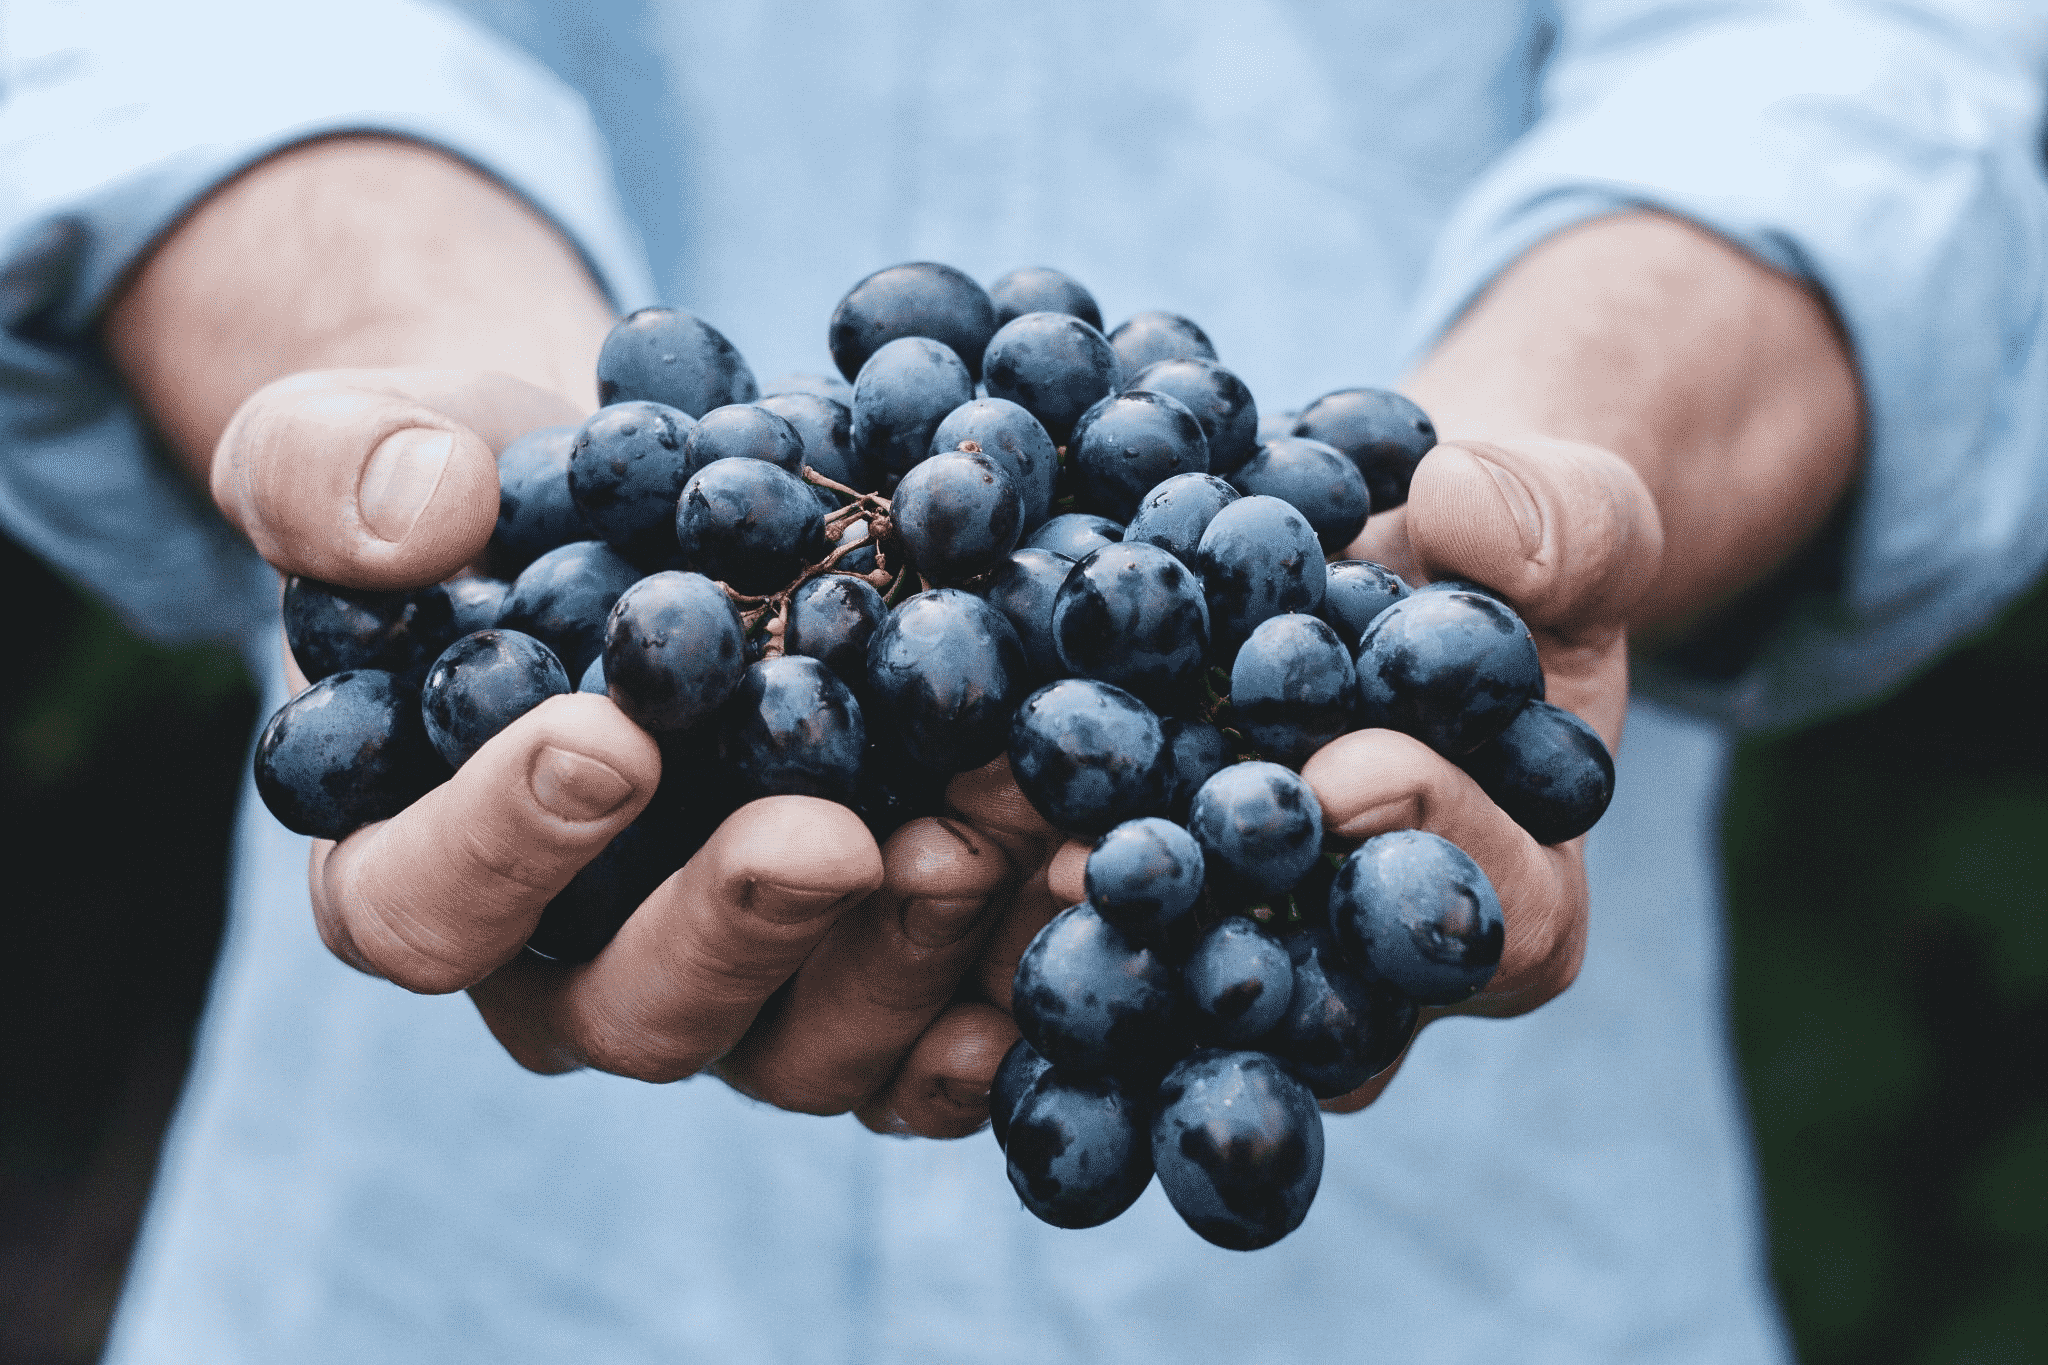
(1888, 876)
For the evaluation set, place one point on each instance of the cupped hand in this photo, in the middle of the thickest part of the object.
(803, 964)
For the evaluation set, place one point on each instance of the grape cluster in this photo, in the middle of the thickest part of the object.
(1002, 532)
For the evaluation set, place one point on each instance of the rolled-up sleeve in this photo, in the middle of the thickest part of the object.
(115, 118)
(1891, 154)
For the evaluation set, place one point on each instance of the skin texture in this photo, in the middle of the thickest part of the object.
(375, 320)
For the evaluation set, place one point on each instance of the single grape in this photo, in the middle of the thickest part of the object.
(1218, 399)
(1356, 591)
(1340, 1030)
(1148, 338)
(535, 511)
(1020, 1070)
(349, 750)
(1040, 289)
(1053, 365)
(562, 599)
(1321, 484)
(743, 431)
(1450, 668)
(1078, 1151)
(1088, 756)
(674, 649)
(665, 355)
(1260, 828)
(481, 684)
(1239, 980)
(944, 675)
(831, 619)
(793, 729)
(1412, 909)
(917, 299)
(899, 398)
(626, 469)
(749, 524)
(1094, 1003)
(1238, 1144)
(1127, 444)
(1548, 770)
(1176, 512)
(1074, 534)
(1024, 587)
(1014, 439)
(1293, 688)
(959, 514)
(331, 629)
(1258, 558)
(1144, 877)
(1384, 434)
(1133, 615)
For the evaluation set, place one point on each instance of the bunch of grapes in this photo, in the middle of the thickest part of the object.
(1010, 534)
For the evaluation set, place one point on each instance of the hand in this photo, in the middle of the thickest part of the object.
(815, 971)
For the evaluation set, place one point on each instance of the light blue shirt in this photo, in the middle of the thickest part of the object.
(360, 1174)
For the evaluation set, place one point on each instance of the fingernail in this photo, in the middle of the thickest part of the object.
(576, 786)
(1521, 507)
(400, 479)
(933, 922)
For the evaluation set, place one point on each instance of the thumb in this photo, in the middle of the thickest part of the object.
(360, 478)
(1567, 532)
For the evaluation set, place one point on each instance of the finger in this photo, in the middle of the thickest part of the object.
(1384, 541)
(687, 974)
(372, 478)
(879, 978)
(988, 798)
(1055, 886)
(439, 895)
(1373, 781)
(942, 1089)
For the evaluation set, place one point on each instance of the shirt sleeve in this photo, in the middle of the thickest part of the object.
(115, 117)
(1890, 154)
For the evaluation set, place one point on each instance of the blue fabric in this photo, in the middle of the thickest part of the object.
(360, 1174)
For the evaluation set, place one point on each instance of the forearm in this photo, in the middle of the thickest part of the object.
(354, 252)
(1724, 383)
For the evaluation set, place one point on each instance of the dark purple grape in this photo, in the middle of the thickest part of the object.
(1195, 752)
(1356, 592)
(793, 729)
(1413, 910)
(1088, 756)
(1238, 1144)
(1133, 615)
(1041, 289)
(1020, 1070)
(1144, 877)
(1258, 558)
(1053, 365)
(959, 515)
(1174, 514)
(1147, 338)
(1023, 588)
(1260, 828)
(1450, 668)
(918, 299)
(1384, 434)
(749, 524)
(1129, 443)
(944, 675)
(1078, 1151)
(1218, 399)
(332, 629)
(743, 431)
(1320, 483)
(900, 397)
(1075, 534)
(1239, 980)
(665, 355)
(535, 511)
(1548, 770)
(831, 619)
(825, 426)
(1014, 439)
(674, 649)
(829, 386)
(626, 469)
(1340, 1030)
(1293, 688)
(481, 684)
(349, 750)
(562, 599)
(1095, 1004)
(593, 679)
